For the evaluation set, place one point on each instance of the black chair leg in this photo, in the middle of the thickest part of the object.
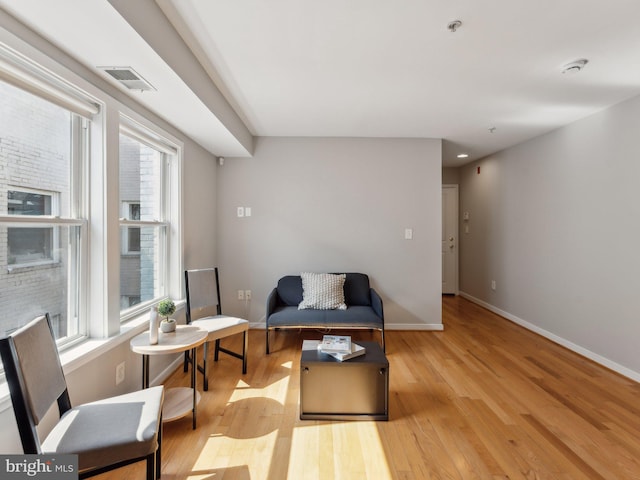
(151, 466)
(267, 343)
(186, 362)
(205, 354)
(159, 452)
(245, 345)
(217, 351)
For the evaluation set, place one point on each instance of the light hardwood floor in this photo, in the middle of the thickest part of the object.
(485, 399)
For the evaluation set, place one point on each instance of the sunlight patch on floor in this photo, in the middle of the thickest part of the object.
(241, 446)
(224, 454)
(275, 443)
(345, 450)
(276, 391)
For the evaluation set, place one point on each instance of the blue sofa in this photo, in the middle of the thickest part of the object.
(364, 308)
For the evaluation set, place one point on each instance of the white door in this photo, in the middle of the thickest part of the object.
(450, 239)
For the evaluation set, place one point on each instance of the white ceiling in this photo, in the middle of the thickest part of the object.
(369, 68)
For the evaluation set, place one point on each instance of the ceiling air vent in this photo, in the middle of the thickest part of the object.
(128, 77)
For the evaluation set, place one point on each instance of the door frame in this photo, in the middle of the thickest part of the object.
(456, 234)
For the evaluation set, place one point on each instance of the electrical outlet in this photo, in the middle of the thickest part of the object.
(247, 294)
(493, 284)
(240, 294)
(120, 373)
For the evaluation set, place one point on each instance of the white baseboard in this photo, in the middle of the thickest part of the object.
(622, 370)
(427, 327)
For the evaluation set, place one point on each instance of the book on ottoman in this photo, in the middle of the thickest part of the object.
(336, 344)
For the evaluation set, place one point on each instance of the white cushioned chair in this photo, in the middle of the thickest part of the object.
(204, 309)
(105, 434)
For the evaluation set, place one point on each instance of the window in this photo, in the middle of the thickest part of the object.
(26, 245)
(59, 184)
(131, 235)
(42, 152)
(144, 224)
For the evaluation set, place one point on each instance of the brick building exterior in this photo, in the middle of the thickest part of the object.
(35, 157)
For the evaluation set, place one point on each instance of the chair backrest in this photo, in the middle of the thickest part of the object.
(35, 377)
(203, 293)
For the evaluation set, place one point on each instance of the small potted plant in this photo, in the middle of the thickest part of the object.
(166, 308)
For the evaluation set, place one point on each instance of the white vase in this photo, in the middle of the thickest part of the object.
(153, 326)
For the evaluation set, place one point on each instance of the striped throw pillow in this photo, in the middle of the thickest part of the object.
(322, 291)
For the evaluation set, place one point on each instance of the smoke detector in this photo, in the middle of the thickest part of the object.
(575, 67)
(453, 26)
(128, 77)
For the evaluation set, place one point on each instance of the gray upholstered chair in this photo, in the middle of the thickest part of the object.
(204, 309)
(105, 434)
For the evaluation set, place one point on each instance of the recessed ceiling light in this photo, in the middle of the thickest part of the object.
(463, 155)
(575, 67)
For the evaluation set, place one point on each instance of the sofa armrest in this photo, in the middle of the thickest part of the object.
(376, 304)
(272, 301)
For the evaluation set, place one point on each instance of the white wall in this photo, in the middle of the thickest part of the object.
(555, 222)
(333, 205)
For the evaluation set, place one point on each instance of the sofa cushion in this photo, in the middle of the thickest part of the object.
(290, 290)
(356, 289)
(322, 291)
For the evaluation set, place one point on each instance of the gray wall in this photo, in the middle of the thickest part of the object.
(331, 205)
(554, 221)
(450, 176)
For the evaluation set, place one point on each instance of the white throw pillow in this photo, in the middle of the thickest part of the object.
(322, 291)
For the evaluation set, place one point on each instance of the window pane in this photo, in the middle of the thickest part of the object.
(140, 179)
(28, 203)
(133, 239)
(29, 245)
(142, 248)
(39, 265)
(140, 275)
(30, 291)
(35, 154)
